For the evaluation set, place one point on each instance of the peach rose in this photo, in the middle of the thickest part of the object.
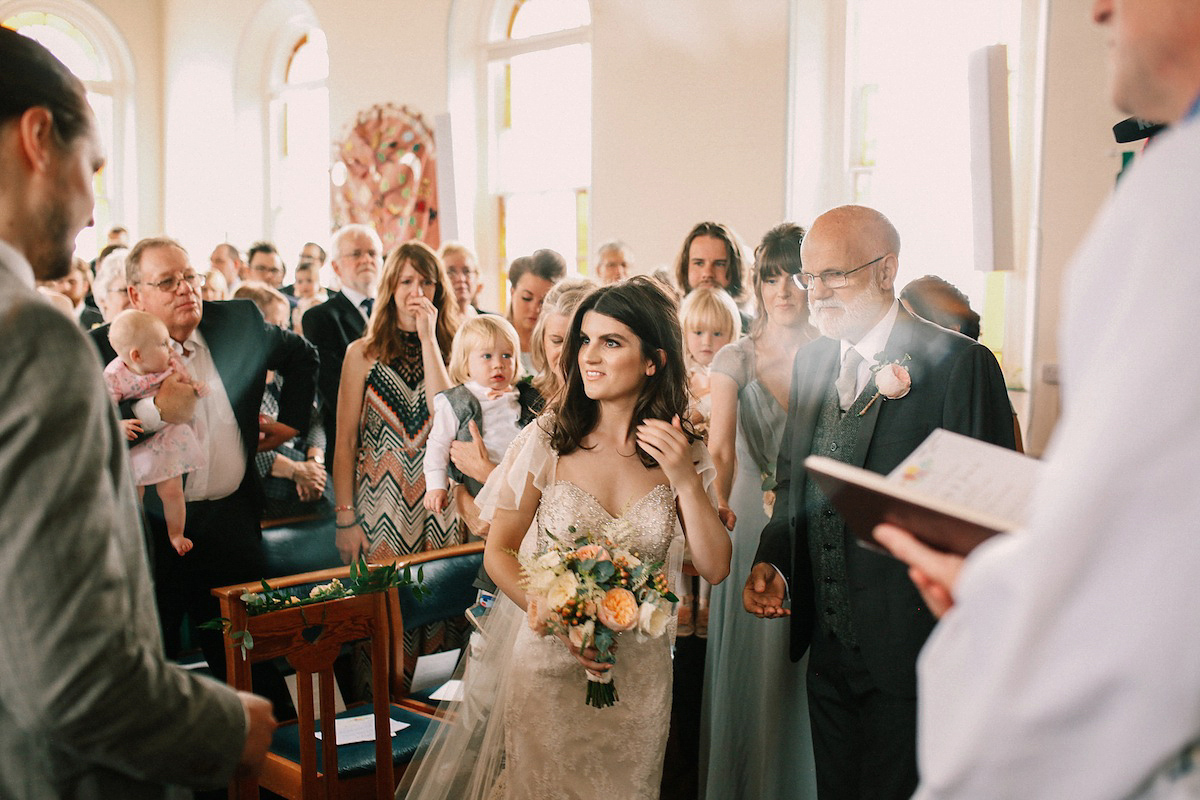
(592, 551)
(581, 635)
(893, 381)
(538, 613)
(618, 610)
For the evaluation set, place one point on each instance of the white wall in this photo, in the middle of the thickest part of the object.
(690, 109)
(1079, 164)
(140, 24)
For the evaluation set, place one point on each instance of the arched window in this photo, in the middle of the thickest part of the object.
(92, 49)
(300, 146)
(539, 112)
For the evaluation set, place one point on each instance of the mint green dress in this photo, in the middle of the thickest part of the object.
(755, 736)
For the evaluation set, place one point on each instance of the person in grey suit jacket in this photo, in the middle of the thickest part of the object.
(856, 609)
(89, 707)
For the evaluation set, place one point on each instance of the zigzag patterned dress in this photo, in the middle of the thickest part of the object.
(390, 483)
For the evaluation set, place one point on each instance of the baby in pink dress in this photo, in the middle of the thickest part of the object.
(144, 360)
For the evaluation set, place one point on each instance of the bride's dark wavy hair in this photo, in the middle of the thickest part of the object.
(642, 306)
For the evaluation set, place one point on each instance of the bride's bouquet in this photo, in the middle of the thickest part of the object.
(591, 589)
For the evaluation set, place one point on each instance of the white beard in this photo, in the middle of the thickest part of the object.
(856, 317)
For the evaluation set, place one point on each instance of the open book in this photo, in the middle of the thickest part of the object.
(952, 492)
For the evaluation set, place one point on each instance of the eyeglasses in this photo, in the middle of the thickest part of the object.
(171, 285)
(832, 278)
(263, 269)
(357, 254)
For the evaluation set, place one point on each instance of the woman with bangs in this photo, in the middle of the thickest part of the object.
(614, 454)
(389, 379)
(754, 699)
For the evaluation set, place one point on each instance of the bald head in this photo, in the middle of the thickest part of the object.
(864, 229)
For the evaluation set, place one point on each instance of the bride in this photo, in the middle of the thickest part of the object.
(612, 452)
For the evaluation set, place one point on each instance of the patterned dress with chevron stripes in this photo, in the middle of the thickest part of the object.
(390, 484)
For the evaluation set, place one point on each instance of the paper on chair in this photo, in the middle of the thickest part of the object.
(351, 730)
(450, 690)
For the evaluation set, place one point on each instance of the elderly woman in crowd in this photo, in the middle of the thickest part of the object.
(108, 287)
(462, 267)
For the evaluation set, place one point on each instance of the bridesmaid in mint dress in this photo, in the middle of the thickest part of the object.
(755, 738)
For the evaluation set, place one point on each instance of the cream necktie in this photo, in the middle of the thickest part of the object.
(847, 379)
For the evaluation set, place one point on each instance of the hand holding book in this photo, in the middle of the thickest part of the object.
(934, 573)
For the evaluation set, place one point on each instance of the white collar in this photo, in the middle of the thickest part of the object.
(17, 263)
(355, 297)
(876, 339)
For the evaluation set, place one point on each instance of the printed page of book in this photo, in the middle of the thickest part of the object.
(952, 492)
(966, 472)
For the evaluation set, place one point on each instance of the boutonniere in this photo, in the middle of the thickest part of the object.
(892, 381)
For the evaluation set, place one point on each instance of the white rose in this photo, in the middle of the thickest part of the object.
(652, 620)
(551, 559)
(581, 635)
(539, 580)
(562, 589)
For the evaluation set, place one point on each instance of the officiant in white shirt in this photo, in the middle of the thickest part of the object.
(1067, 664)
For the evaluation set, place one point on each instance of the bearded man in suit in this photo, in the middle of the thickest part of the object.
(334, 324)
(855, 609)
(229, 347)
(89, 707)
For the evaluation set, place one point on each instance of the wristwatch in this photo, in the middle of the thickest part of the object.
(318, 458)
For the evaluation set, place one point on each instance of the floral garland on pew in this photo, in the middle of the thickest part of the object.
(361, 580)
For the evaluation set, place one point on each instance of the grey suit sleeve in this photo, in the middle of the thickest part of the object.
(85, 681)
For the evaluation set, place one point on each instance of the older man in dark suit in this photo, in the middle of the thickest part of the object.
(854, 608)
(230, 348)
(334, 324)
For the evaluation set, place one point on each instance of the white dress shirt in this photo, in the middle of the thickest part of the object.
(870, 346)
(501, 416)
(1070, 666)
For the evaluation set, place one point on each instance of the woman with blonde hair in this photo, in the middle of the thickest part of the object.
(550, 333)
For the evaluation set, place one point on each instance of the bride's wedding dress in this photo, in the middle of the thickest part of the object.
(524, 730)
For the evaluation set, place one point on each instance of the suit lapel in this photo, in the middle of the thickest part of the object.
(351, 316)
(899, 344)
(816, 369)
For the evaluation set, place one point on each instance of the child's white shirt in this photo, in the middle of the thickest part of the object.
(501, 417)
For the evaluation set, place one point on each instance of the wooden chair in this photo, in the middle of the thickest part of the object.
(449, 577)
(310, 637)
